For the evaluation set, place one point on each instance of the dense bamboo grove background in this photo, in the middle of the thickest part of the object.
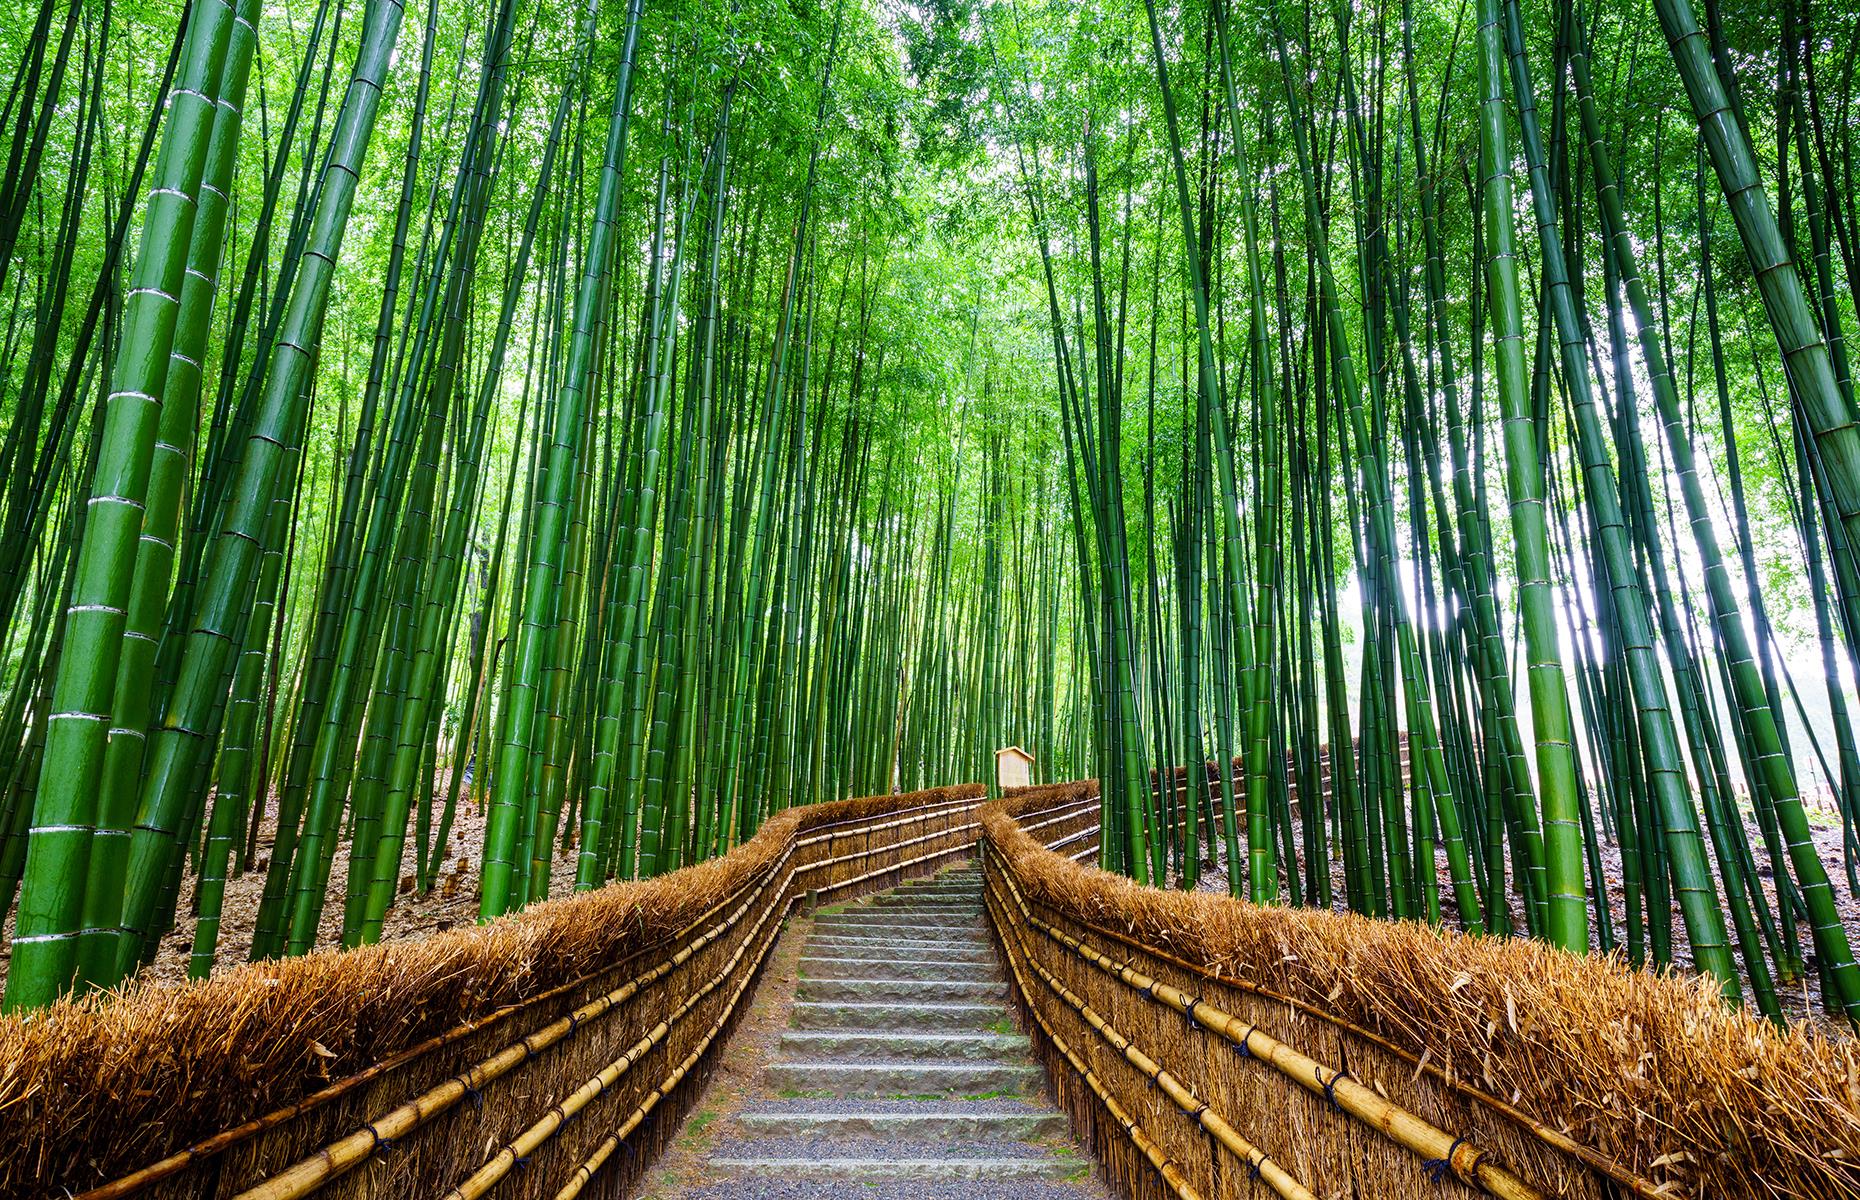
(603, 425)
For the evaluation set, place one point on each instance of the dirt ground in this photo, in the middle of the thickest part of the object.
(453, 900)
(1800, 1000)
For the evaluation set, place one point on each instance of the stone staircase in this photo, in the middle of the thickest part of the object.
(900, 1071)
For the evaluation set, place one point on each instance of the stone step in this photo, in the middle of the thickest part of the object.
(902, 920)
(897, 1078)
(964, 899)
(881, 1162)
(966, 886)
(926, 1120)
(918, 991)
(829, 947)
(887, 968)
(906, 912)
(782, 1189)
(903, 930)
(886, 936)
(861, 1045)
(879, 1015)
(935, 938)
(909, 898)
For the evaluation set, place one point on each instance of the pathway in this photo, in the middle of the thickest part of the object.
(898, 1070)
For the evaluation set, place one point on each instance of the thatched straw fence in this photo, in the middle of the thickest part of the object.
(1209, 1048)
(548, 1054)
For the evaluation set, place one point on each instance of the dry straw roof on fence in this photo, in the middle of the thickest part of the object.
(1651, 1071)
(91, 1089)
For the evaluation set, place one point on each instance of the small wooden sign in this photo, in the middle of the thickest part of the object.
(1013, 767)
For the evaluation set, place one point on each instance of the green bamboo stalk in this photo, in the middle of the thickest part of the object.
(508, 801)
(179, 749)
(49, 921)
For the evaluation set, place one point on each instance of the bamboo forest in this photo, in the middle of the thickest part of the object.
(462, 453)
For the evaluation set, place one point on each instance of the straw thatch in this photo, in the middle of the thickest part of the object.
(311, 1047)
(1642, 1083)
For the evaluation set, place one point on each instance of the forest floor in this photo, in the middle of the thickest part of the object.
(1799, 1000)
(453, 900)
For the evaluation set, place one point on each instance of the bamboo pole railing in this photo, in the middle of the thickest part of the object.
(1459, 1154)
(228, 1139)
(1554, 1139)
(832, 857)
(1166, 1169)
(1080, 974)
(1100, 954)
(1182, 1096)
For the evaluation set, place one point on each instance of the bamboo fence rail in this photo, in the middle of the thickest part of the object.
(1382, 1058)
(1204, 1047)
(544, 1021)
(1182, 1096)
